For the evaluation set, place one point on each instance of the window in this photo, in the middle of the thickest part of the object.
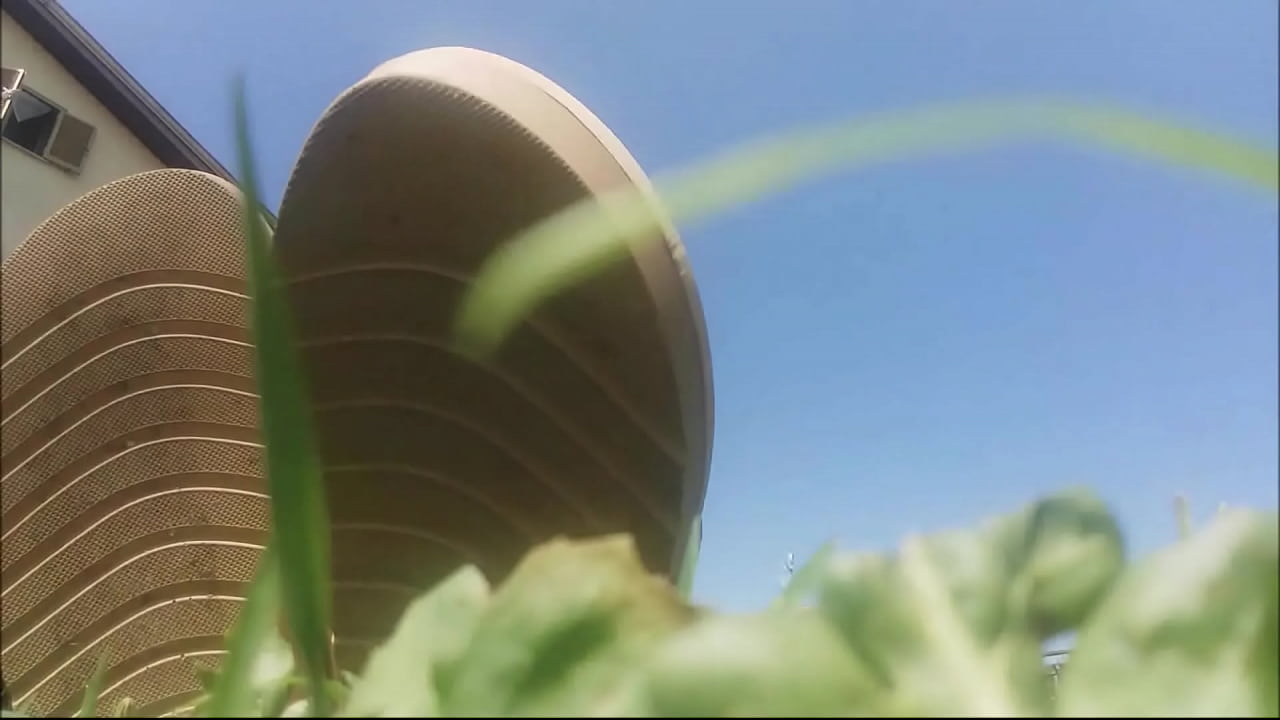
(46, 130)
(30, 122)
(10, 81)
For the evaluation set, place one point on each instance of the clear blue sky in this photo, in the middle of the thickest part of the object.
(909, 348)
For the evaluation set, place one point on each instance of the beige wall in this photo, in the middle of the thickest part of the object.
(32, 189)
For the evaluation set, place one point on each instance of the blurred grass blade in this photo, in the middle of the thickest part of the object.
(233, 693)
(299, 518)
(689, 565)
(1182, 511)
(93, 691)
(1175, 144)
(575, 243)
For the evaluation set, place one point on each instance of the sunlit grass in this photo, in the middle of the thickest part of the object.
(299, 519)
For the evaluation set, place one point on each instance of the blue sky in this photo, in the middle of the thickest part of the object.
(909, 348)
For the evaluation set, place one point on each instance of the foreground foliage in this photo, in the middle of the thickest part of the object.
(951, 624)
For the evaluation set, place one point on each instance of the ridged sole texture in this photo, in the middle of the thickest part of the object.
(581, 425)
(134, 508)
(133, 501)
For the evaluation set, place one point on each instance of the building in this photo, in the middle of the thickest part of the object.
(77, 120)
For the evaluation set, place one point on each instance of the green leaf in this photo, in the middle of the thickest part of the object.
(1191, 631)
(958, 661)
(565, 633)
(252, 661)
(282, 704)
(93, 691)
(1073, 552)
(689, 565)
(783, 663)
(954, 622)
(808, 578)
(273, 679)
(579, 241)
(400, 678)
(299, 516)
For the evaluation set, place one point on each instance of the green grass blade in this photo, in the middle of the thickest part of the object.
(684, 581)
(577, 242)
(299, 518)
(93, 691)
(233, 693)
(1178, 145)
